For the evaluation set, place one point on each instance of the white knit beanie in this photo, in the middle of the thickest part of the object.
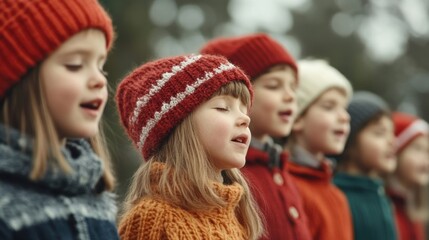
(315, 77)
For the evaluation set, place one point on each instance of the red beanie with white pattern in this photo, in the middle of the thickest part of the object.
(158, 95)
(407, 128)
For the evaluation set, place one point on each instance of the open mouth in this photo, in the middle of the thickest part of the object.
(92, 105)
(340, 132)
(287, 113)
(240, 139)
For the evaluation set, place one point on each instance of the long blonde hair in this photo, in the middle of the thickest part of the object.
(24, 108)
(187, 178)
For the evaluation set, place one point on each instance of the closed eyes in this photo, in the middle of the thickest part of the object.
(77, 67)
(73, 67)
(222, 109)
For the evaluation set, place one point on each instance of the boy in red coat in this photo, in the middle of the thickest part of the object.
(321, 128)
(273, 73)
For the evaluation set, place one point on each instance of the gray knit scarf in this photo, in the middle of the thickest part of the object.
(56, 195)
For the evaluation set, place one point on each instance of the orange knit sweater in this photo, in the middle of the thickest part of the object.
(152, 218)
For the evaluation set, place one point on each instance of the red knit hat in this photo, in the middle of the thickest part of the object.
(158, 95)
(407, 128)
(32, 29)
(255, 53)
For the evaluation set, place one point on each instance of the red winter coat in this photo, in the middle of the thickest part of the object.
(407, 228)
(326, 206)
(277, 196)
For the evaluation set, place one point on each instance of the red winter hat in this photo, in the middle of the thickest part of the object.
(407, 128)
(255, 53)
(32, 29)
(158, 95)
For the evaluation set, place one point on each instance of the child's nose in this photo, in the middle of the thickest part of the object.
(344, 115)
(288, 94)
(97, 80)
(244, 120)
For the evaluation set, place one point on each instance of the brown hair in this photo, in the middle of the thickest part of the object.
(350, 152)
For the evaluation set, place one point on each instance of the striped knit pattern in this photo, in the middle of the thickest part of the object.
(157, 96)
(32, 29)
(153, 218)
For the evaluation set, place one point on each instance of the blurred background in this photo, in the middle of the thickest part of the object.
(379, 45)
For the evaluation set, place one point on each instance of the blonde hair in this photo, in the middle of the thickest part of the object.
(187, 178)
(24, 108)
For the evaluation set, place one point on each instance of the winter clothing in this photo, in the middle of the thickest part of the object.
(407, 128)
(276, 193)
(326, 206)
(406, 227)
(371, 209)
(316, 77)
(255, 53)
(154, 218)
(362, 108)
(157, 96)
(31, 30)
(59, 205)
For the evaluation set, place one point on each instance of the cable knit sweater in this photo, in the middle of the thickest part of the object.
(153, 218)
(58, 206)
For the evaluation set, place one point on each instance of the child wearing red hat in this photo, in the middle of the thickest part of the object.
(55, 176)
(407, 186)
(273, 74)
(187, 115)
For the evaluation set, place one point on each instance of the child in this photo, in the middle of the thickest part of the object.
(188, 117)
(273, 73)
(55, 177)
(407, 186)
(368, 156)
(321, 128)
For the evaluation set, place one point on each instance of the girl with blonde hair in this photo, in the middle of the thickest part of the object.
(55, 176)
(188, 117)
(407, 187)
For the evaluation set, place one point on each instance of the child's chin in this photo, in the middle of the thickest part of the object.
(335, 150)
